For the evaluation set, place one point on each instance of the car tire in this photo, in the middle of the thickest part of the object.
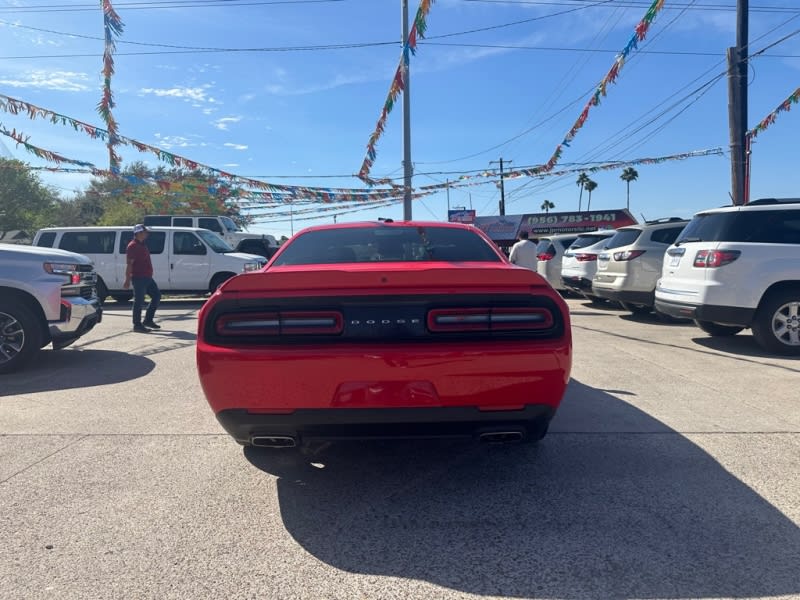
(122, 298)
(717, 330)
(102, 290)
(636, 309)
(218, 280)
(20, 335)
(777, 323)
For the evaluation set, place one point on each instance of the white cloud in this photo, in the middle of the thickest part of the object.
(177, 141)
(247, 97)
(235, 146)
(197, 94)
(222, 124)
(64, 81)
(231, 165)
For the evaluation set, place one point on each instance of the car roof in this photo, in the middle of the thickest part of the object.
(392, 223)
(119, 228)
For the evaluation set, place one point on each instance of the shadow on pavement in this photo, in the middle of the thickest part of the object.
(653, 319)
(590, 515)
(742, 344)
(73, 368)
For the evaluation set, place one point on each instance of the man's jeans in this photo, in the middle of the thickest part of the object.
(142, 286)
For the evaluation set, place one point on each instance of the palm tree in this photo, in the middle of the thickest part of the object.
(583, 178)
(590, 186)
(628, 175)
(547, 205)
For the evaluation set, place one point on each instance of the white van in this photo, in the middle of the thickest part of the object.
(251, 243)
(186, 260)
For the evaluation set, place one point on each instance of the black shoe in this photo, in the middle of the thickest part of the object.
(141, 329)
(151, 325)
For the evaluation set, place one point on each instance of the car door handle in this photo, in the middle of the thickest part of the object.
(171, 265)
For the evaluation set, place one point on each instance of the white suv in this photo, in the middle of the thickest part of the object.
(549, 254)
(580, 262)
(738, 267)
(630, 266)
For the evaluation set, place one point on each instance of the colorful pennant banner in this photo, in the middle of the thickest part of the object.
(22, 140)
(639, 34)
(395, 89)
(113, 27)
(541, 171)
(276, 191)
(784, 106)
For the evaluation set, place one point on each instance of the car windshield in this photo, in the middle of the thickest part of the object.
(585, 241)
(216, 243)
(545, 246)
(623, 237)
(229, 224)
(386, 244)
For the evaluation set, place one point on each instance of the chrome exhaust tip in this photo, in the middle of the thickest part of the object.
(273, 441)
(501, 437)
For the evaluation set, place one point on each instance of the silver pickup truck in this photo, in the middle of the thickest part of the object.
(46, 296)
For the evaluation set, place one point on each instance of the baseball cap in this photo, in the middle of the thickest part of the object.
(139, 228)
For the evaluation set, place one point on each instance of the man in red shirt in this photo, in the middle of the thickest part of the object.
(140, 273)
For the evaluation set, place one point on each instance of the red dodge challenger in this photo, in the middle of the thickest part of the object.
(388, 330)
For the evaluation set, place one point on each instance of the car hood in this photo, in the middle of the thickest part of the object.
(45, 253)
(245, 257)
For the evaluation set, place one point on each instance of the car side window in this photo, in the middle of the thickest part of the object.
(46, 239)
(666, 236)
(772, 227)
(182, 222)
(155, 241)
(88, 242)
(186, 243)
(210, 224)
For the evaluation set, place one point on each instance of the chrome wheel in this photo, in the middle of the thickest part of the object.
(786, 323)
(12, 337)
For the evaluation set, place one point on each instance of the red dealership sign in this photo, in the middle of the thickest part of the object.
(507, 228)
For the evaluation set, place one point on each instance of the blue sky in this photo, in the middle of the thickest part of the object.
(308, 114)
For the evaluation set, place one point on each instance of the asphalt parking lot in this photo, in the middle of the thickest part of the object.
(671, 471)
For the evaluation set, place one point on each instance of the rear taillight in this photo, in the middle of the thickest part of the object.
(443, 320)
(280, 324)
(627, 255)
(715, 258)
(586, 257)
(545, 256)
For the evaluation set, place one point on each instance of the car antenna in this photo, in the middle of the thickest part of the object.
(643, 217)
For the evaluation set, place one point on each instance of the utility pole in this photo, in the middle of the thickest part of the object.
(407, 167)
(448, 199)
(737, 103)
(502, 186)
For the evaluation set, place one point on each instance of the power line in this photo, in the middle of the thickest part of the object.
(157, 5)
(640, 4)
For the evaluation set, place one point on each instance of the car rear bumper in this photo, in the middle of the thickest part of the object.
(482, 376)
(381, 423)
(724, 315)
(574, 282)
(629, 297)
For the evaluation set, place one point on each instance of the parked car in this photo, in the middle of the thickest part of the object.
(251, 243)
(385, 329)
(550, 252)
(186, 260)
(579, 263)
(46, 296)
(630, 265)
(737, 267)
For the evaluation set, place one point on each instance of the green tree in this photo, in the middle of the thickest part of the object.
(25, 202)
(590, 187)
(582, 180)
(628, 175)
(118, 211)
(547, 205)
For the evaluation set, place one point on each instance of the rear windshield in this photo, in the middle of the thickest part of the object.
(762, 226)
(623, 237)
(545, 247)
(386, 244)
(587, 240)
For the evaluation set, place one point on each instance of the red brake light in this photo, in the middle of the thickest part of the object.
(586, 257)
(627, 255)
(715, 258)
(488, 319)
(545, 256)
(280, 323)
(75, 278)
